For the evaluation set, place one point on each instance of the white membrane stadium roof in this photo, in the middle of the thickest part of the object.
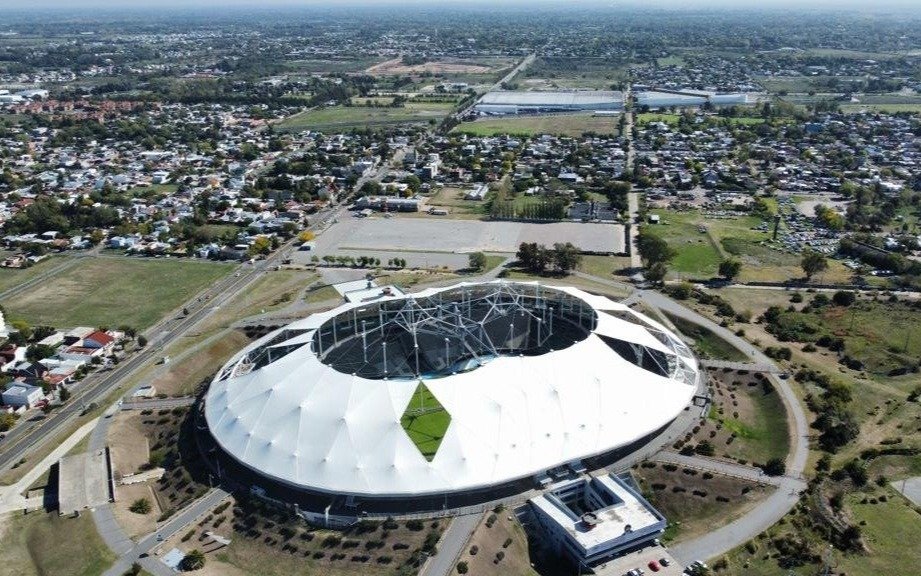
(304, 423)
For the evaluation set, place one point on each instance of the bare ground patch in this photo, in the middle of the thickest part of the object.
(129, 445)
(693, 501)
(135, 524)
(396, 67)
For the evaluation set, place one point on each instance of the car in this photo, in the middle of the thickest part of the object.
(664, 561)
(653, 565)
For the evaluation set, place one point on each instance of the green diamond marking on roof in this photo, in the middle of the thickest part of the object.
(425, 420)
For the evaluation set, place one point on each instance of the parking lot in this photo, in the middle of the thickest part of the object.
(641, 559)
(462, 236)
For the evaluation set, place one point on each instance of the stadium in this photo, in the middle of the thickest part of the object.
(465, 390)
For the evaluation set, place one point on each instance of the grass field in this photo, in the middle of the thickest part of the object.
(153, 189)
(426, 421)
(573, 125)
(12, 277)
(453, 200)
(706, 343)
(890, 529)
(702, 243)
(647, 117)
(751, 412)
(889, 108)
(691, 515)
(41, 544)
(321, 66)
(670, 61)
(347, 118)
(114, 292)
(183, 375)
(603, 266)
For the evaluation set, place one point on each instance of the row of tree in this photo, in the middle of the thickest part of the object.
(537, 258)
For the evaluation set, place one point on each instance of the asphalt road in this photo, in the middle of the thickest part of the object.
(452, 544)
(170, 528)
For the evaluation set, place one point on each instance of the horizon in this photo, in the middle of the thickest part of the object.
(125, 6)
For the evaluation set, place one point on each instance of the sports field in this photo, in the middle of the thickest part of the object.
(426, 421)
(116, 291)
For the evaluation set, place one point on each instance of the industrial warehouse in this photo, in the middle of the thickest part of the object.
(517, 102)
(458, 391)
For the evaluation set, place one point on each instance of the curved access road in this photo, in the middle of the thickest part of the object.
(776, 506)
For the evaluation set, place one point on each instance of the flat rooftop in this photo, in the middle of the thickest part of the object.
(555, 98)
(83, 482)
(612, 521)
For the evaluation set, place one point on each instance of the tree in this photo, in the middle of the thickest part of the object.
(775, 467)
(566, 257)
(7, 421)
(140, 506)
(844, 298)
(729, 269)
(194, 560)
(306, 236)
(813, 262)
(142, 341)
(656, 272)
(476, 261)
(653, 250)
(37, 352)
(462, 567)
(63, 393)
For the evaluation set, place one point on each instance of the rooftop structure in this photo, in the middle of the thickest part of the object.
(449, 390)
(84, 481)
(515, 102)
(594, 519)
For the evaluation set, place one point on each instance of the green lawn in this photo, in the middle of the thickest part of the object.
(703, 242)
(110, 291)
(646, 118)
(349, 117)
(761, 431)
(41, 544)
(153, 189)
(426, 421)
(558, 124)
(707, 344)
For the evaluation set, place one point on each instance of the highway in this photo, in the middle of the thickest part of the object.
(527, 61)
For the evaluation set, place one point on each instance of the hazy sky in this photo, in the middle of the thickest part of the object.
(868, 5)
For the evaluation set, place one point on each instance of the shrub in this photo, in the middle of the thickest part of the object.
(140, 506)
(474, 549)
(415, 525)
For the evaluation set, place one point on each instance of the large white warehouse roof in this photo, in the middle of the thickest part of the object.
(530, 376)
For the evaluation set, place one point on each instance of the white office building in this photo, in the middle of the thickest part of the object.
(592, 520)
